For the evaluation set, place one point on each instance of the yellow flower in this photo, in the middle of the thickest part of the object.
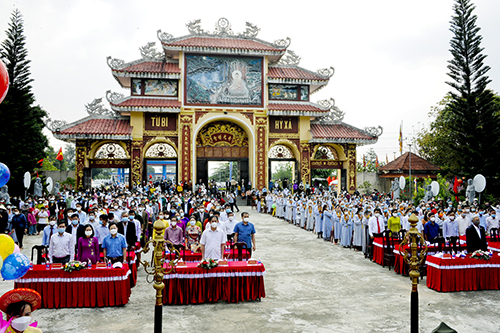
(77, 265)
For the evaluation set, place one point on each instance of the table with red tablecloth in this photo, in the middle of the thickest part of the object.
(94, 287)
(188, 256)
(378, 248)
(132, 262)
(401, 267)
(463, 274)
(234, 283)
(494, 246)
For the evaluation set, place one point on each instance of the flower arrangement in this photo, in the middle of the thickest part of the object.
(480, 254)
(208, 264)
(74, 265)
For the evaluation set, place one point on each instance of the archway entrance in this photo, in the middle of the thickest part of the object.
(282, 166)
(326, 165)
(109, 165)
(160, 161)
(222, 142)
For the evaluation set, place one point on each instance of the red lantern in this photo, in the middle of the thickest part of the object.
(4, 81)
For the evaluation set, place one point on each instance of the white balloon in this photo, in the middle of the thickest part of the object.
(402, 182)
(50, 184)
(479, 183)
(27, 179)
(435, 188)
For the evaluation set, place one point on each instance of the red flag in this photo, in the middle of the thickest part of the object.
(455, 185)
(40, 162)
(60, 156)
(376, 163)
(364, 162)
(329, 180)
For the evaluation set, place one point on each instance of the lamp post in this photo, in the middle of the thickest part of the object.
(157, 269)
(414, 260)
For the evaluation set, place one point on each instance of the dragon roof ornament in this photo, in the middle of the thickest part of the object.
(289, 59)
(149, 52)
(55, 125)
(335, 115)
(95, 108)
(326, 72)
(164, 37)
(114, 98)
(374, 131)
(114, 63)
(222, 29)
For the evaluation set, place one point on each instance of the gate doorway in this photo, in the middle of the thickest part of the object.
(158, 170)
(219, 170)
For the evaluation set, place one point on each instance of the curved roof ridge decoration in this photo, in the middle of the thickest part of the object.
(341, 133)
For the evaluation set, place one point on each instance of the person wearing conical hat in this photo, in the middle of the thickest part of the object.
(19, 304)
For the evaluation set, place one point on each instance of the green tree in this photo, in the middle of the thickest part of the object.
(69, 156)
(22, 123)
(473, 118)
(284, 170)
(371, 162)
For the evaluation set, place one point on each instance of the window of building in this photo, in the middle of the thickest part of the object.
(288, 92)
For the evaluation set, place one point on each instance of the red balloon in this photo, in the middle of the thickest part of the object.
(4, 81)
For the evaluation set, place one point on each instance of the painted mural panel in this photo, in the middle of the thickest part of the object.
(160, 87)
(223, 80)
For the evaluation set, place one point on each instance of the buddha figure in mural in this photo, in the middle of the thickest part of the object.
(238, 87)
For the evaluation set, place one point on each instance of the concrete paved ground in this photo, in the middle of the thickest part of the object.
(311, 286)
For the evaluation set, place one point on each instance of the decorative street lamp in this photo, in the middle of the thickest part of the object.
(157, 269)
(414, 260)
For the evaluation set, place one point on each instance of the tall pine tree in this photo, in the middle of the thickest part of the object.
(23, 142)
(474, 121)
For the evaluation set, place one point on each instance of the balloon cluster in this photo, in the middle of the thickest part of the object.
(13, 263)
(4, 81)
(4, 174)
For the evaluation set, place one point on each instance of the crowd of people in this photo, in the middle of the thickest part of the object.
(104, 224)
(352, 221)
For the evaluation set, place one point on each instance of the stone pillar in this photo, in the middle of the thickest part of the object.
(305, 162)
(352, 171)
(136, 162)
(80, 156)
(185, 143)
(261, 146)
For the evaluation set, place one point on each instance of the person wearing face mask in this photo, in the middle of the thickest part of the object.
(20, 225)
(19, 304)
(376, 224)
(244, 232)
(114, 245)
(228, 227)
(75, 229)
(62, 245)
(213, 241)
(102, 230)
(463, 221)
(394, 222)
(492, 221)
(128, 229)
(88, 246)
(173, 233)
(201, 215)
(49, 230)
(450, 227)
(193, 234)
(431, 229)
(476, 237)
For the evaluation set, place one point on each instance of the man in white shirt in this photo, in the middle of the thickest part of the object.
(376, 224)
(62, 246)
(213, 241)
(228, 227)
(492, 221)
(82, 216)
(463, 222)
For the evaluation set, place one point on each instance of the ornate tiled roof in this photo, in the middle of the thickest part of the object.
(403, 163)
(97, 128)
(292, 74)
(340, 132)
(227, 43)
(151, 67)
(147, 105)
(303, 109)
